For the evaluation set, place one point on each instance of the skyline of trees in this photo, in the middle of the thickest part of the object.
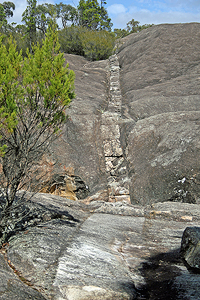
(88, 13)
(89, 21)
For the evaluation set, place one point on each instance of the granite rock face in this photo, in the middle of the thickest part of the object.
(159, 77)
(12, 287)
(102, 251)
(134, 128)
(128, 159)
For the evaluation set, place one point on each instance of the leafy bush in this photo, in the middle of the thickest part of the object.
(97, 45)
(70, 40)
(94, 45)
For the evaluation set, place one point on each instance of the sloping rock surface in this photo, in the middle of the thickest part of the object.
(132, 142)
(11, 287)
(159, 79)
(133, 129)
(102, 251)
(79, 150)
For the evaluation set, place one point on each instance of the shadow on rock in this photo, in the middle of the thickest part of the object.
(129, 288)
(160, 272)
(31, 214)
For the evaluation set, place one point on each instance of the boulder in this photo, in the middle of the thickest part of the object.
(190, 246)
(68, 186)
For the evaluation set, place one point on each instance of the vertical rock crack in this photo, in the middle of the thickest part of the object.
(118, 186)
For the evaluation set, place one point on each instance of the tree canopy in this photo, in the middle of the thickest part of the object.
(87, 19)
(131, 27)
(29, 17)
(6, 11)
(93, 16)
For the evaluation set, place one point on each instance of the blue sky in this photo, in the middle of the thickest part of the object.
(153, 12)
(146, 12)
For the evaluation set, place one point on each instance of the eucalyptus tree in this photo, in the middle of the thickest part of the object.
(29, 18)
(8, 7)
(93, 16)
(105, 20)
(67, 13)
(6, 11)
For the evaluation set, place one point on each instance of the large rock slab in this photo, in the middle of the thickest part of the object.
(43, 244)
(91, 261)
(79, 149)
(159, 77)
(106, 251)
(133, 129)
(163, 154)
(12, 287)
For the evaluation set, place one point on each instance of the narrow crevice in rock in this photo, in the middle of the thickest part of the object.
(111, 118)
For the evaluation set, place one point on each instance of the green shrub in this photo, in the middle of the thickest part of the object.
(97, 45)
(70, 40)
(92, 44)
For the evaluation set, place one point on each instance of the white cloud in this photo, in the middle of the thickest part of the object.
(171, 17)
(116, 9)
(191, 5)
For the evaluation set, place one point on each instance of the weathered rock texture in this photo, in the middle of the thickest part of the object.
(133, 129)
(159, 79)
(12, 286)
(130, 153)
(190, 246)
(102, 251)
(66, 185)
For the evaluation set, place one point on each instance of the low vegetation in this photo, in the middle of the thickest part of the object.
(83, 30)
